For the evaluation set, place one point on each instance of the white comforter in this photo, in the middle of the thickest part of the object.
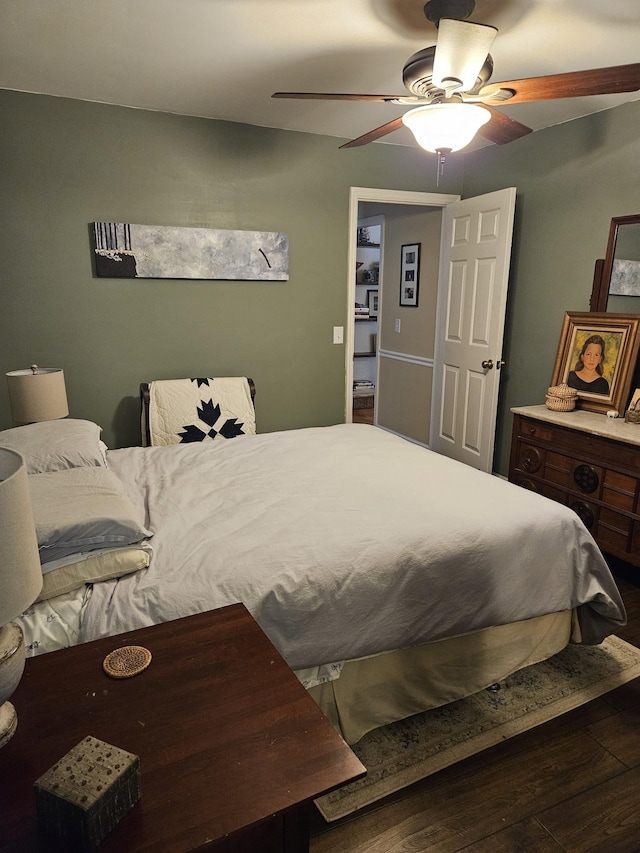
(345, 541)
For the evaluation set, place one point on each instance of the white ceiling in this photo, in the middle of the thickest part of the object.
(223, 59)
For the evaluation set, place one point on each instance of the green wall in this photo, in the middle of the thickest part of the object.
(68, 163)
(570, 179)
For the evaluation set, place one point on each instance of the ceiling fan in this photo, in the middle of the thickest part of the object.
(450, 93)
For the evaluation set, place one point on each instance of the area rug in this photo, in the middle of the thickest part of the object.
(400, 754)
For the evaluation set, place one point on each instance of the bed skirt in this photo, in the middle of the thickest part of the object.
(384, 688)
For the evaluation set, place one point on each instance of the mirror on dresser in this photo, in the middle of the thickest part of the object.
(616, 283)
(616, 280)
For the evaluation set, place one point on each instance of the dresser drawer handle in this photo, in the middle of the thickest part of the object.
(584, 512)
(586, 478)
(531, 460)
(532, 430)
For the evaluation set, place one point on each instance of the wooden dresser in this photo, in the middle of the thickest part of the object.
(588, 462)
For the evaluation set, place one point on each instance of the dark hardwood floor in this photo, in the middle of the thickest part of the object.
(363, 416)
(572, 784)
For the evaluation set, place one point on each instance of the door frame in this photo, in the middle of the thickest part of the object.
(356, 195)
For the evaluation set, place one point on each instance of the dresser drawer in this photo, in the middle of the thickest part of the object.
(536, 429)
(614, 530)
(593, 448)
(550, 491)
(619, 491)
(616, 520)
(597, 477)
(557, 470)
(573, 474)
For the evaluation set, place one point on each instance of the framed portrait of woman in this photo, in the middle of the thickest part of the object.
(597, 356)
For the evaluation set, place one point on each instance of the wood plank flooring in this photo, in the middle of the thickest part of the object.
(363, 416)
(572, 785)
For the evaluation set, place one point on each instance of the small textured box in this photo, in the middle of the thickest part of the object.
(561, 398)
(85, 794)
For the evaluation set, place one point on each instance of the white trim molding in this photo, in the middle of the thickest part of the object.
(406, 437)
(403, 356)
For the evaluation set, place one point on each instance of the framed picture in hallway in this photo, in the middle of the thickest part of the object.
(372, 303)
(409, 274)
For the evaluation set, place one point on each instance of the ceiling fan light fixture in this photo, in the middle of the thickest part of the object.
(449, 127)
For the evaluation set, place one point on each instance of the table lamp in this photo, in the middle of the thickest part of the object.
(37, 394)
(20, 578)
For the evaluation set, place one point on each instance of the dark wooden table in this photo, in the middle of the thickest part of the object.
(232, 748)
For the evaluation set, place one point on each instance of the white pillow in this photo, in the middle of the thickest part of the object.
(56, 445)
(82, 509)
(69, 573)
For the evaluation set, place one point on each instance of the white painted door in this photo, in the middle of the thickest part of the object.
(472, 296)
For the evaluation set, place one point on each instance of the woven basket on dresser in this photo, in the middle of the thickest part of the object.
(561, 398)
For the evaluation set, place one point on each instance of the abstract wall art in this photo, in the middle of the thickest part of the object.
(123, 250)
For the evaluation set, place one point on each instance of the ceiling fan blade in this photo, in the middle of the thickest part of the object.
(574, 84)
(329, 96)
(372, 135)
(461, 51)
(502, 129)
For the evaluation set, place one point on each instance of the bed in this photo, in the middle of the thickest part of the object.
(392, 579)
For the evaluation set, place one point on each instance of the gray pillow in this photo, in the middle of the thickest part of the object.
(56, 445)
(82, 509)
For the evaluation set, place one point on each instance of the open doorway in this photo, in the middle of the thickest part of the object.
(446, 396)
(397, 365)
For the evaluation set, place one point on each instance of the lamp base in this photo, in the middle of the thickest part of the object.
(8, 723)
(12, 661)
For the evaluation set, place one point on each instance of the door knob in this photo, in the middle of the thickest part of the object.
(487, 363)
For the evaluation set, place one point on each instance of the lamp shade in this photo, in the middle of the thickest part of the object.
(445, 127)
(37, 394)
(20, 570)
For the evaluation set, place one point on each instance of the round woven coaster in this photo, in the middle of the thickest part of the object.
(127, 661)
